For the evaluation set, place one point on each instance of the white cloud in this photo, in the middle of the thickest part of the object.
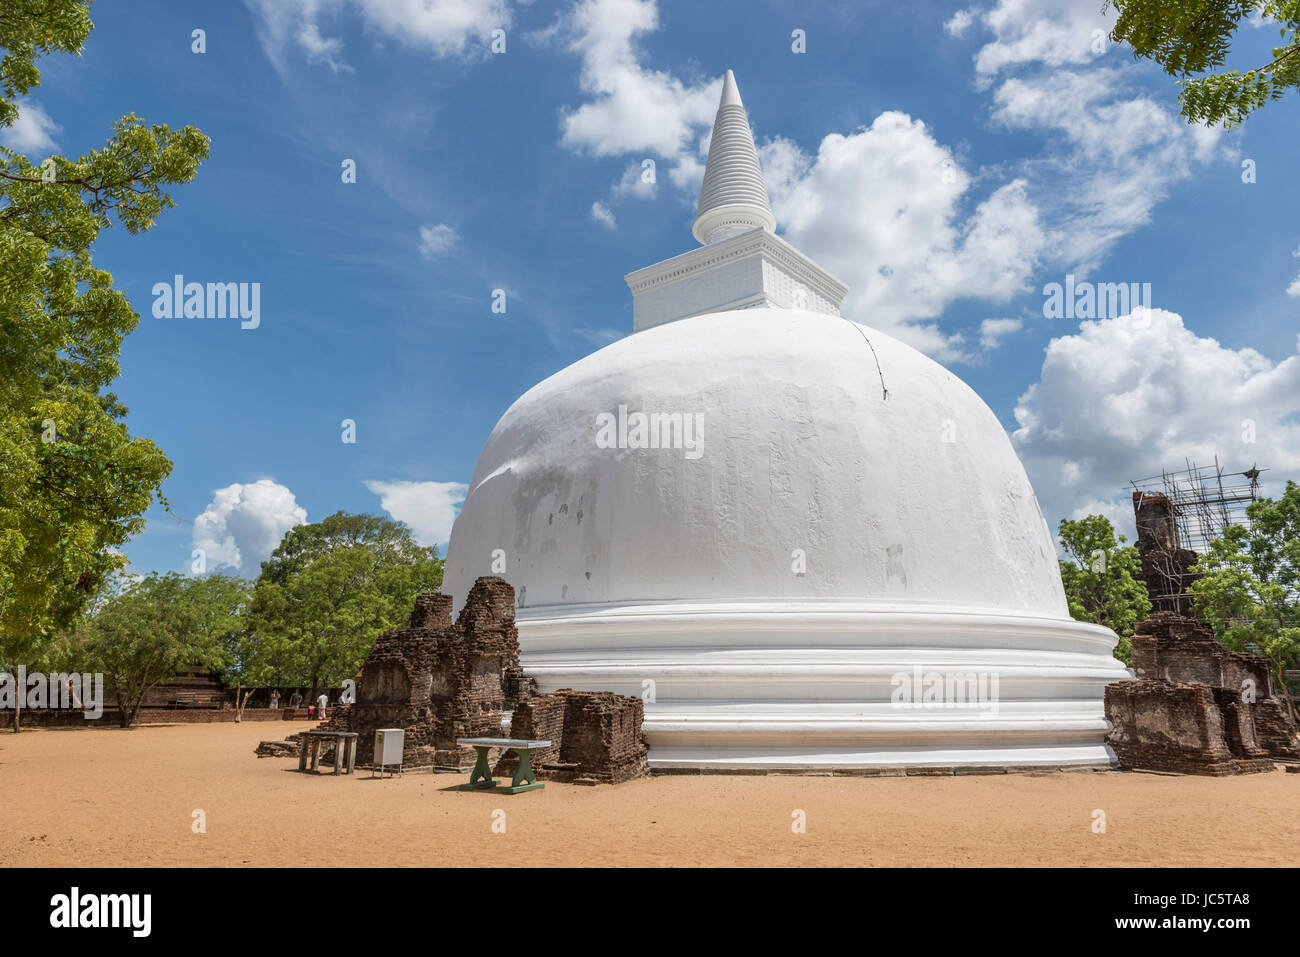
(1120, 151)
(436, 240)
(992, 331)
(959, 23)
(885, 210)
(429, 508)
(1294, 288)
(601, 214)
(244, 522)
(890, 210)
(443, 27)
(1054, 32)
(634, 108)
(640, 180)
(1124, 398)
(1120, 154)
(32, 132)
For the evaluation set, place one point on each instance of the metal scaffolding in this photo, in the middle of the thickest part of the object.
(1205, 500)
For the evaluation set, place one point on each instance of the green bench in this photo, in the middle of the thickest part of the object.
(525, 778)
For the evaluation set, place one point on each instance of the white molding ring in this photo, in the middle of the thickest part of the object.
(809, 684)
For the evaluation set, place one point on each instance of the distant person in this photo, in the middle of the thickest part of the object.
(275, 700)
(321, 702)
(295, 699)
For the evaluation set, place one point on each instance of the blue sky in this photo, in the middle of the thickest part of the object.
(945, 160)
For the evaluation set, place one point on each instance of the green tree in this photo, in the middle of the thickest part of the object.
(74, 483)
(1249, 592)
(327, 592)
(1101, 579)
(1189, 37)
(147, 632)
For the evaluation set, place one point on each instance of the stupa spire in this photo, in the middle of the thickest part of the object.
(743, 263)
(733, 198)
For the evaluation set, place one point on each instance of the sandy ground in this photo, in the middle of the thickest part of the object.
(126, 798)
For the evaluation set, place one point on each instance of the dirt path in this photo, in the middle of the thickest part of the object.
(127, 798)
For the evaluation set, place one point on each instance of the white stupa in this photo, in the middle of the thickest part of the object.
(728, 515)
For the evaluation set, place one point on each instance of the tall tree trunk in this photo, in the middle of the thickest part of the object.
(1286, 689)
(19, 694)
(242, 702)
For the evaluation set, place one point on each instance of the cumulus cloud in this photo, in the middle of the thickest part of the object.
(992, 331)
(1120, 150)
(640, 180)
(633, 108)
(885, 209)
(429, 508)
(1053, 32)
(889, 209)
(601, 214)
(243, 523)
(960, 22)
(32, 132)
(445, 27)
(1122, 155)
(1124, 398)
(436, 240)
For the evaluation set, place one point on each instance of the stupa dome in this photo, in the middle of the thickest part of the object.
(779, 527)
(914, 498)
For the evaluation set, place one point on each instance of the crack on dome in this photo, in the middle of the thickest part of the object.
(884, 392)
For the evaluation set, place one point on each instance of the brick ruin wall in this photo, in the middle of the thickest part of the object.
(1190, 711)
(1165, 565)
(594, 735)
(1159, 726)
(441, 680)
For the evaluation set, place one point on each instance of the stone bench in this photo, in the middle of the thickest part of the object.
(481, 777)
(344, 741)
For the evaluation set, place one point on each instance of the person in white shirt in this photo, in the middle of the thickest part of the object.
(321, 702)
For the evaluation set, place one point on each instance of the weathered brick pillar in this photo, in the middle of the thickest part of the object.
(432, 610)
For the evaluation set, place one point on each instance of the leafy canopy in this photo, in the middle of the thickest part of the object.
(74, 483)
(327, 592)
(1101, 579)
(147, 632)
(1189, 37)
(1249, 592)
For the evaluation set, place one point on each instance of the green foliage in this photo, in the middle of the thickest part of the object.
(32, 28)
(148, 631)
(1101, 579)
(389, 541)
(327, 592)
(1189, 37)
(1249, 594)
(74, 483)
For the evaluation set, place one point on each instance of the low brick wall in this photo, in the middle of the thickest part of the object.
(35, 718)
(1197, 707)
(1183, 729)
(594, 735)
